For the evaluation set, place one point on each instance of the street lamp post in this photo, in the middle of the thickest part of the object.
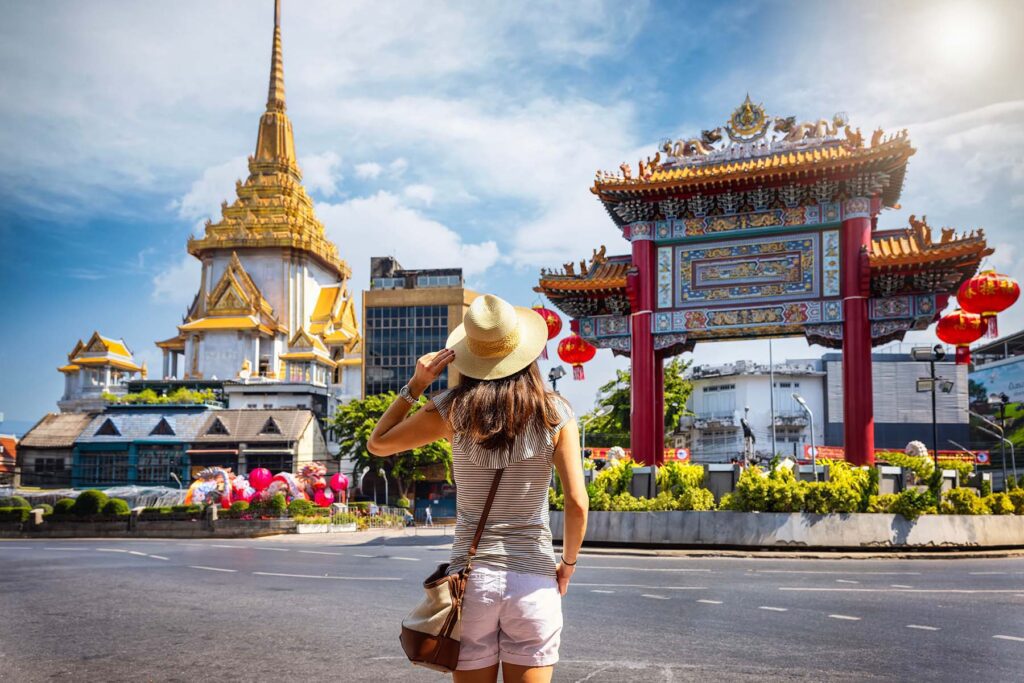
(1004, 440)
(999, 436)
(810, 419)
(383, 475)
(1001, 400)
(932, 355)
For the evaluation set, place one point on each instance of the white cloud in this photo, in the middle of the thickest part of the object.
(422, 194)
(177, 284)
(215, 185)
(368, 170)
(321, 173)
(381, 225)
(398, 166)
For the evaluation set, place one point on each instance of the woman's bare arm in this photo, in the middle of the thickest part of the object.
(570, 472)
(397, 431)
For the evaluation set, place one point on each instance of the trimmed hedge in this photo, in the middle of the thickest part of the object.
(90, 503)
(64, 506)
(15, 514)
(300, 507)
(116, 506)
(14, 502)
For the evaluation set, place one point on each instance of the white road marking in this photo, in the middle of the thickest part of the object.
(847, 573)
(15, 547)
(774, 609)
(642, 585)
(110, 550)
(919, 627)
(220, 545)
(1017, 639)
(319, 552)
(48, 548)
(407, 559)
(654, 597)
(987, 573)
(843, 616)
(966, 591)
(346, 578)
(845, 581)
(899, 585)
(358, 555)
(263, 547)
(136, 552)
(158, 557)
(711, 602)
(211, 569)
(596, 590)
(650, 569)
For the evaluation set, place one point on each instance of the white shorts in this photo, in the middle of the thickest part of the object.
(510, 617)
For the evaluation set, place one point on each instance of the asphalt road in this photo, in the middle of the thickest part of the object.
(317, 608)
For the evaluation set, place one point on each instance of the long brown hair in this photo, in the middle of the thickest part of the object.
(493, 413)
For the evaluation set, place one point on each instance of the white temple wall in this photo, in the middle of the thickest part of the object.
(264, 267)
(221, 354)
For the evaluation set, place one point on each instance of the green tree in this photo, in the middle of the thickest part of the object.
(353, 424)
(613, 429)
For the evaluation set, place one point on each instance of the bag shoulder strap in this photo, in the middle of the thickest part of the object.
(483, 516)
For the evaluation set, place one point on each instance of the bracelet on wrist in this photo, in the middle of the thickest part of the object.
(569, 564)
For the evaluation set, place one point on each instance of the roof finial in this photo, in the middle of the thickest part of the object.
(275, 96)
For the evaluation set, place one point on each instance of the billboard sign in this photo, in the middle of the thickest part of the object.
(1000, 377)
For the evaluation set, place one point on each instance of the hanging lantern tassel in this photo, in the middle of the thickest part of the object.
(577, 372)
(963, 354)
(993, 327)
(544, 352)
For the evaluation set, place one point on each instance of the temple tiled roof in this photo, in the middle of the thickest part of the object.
(100, 351)
(56, 430)
(139, 423)
(248, 425)
(913, 247)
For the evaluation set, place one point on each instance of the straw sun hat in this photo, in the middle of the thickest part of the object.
(497, 339)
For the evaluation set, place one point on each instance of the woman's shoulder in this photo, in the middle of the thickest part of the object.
(442, 401)
(562, 408)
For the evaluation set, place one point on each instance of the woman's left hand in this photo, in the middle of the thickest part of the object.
(428, 368)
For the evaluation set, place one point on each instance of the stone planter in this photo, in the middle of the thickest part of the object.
(343, 528)
(312, 528)
(799, 530)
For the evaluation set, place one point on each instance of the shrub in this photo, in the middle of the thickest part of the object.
(240, 506)
(278, 505)
(912, 504)
(615, 478)
(1017, 498)
(316, 519)
(600, 499)
(64, 506)
(556, 501)
(403, 503)
(45, 507)
(193, 509)
(962, 502)
(90, 503)
(116, 506)
(362, 524)
(696, 499)
(999, 504)
(626, 502)
(986, 488)
(18, 514)
(300, 507)
(15, 502)
(881, 503)
(677, 477)
(344, 518)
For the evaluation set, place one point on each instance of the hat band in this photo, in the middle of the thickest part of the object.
(496, 348)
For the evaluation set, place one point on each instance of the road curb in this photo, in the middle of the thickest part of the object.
(748, 553)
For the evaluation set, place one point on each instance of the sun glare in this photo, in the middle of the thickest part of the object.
(963, 33)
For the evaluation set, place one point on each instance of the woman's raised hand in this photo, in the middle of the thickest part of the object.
(428, 368)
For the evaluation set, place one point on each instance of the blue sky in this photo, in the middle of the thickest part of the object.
(446, 134)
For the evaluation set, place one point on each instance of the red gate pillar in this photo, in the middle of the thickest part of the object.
(858, 407)
(659, 407)
(644, 398)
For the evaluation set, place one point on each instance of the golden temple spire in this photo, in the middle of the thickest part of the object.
(275, 144)
(275, 96)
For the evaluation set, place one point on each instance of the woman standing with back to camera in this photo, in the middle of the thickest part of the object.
(500, 417)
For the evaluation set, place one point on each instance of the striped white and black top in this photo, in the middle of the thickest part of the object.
(517, 535)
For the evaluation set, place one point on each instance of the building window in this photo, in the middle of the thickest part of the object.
(251, 405)
(47, 466)
(396, 336)
(438, 281)
(99, 468)
(108, 428)
(217, 427)
(265, 405)
(785, 404)
(720, 444)
(270, 427)
(719, 401)
(275, 462)
(163, 428)
(156, 463)
(387, 283)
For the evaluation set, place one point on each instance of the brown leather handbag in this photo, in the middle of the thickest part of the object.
(431, 633)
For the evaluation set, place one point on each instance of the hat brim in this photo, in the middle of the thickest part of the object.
(533, 335)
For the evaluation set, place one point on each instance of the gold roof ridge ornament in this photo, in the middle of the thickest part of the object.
(272, 208)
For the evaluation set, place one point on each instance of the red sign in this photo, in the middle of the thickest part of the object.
(671, 454)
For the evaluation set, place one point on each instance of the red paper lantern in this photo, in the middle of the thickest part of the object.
(554, 324)
(575, 350)
(988, 293)
(961, 329)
